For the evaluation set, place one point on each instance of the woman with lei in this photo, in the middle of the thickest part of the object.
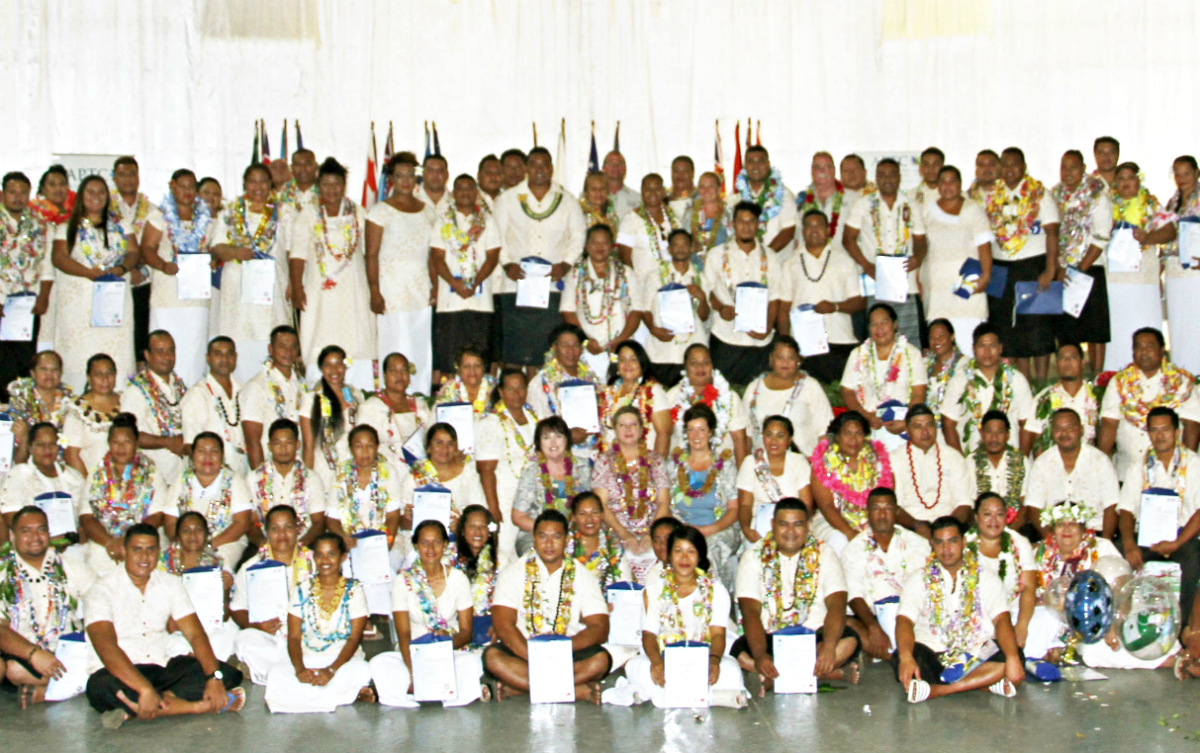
(786, 390)
(209, 487)
(687, 604)
(632, 484)
(392, 412)
(775, 472)
(549, 480)
(1070, 547)
(446, 467)
(630, 384)
(471, 382)
(476, 547)
(704, 490)
(1182, 264)
(599, 297)
(181, 229)
(328, 275)
(53, 205)
(702, 384)
(709, 219)
(506, 436)
(324, 430)
(90, 245)
(429, 597)
(366, 493)
(43, 474)
(87, 418)
(955, 230)
(943, 361)
(248, 230)
(1009, 556)
(121, 491)
(41, 396)
(598, 208)
(562, 363)
(326, 667)
(885, 369)
(593, 545)
(191, 548)
(846, 466)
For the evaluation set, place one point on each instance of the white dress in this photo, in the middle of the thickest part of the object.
(186, 320)
(510, 442)
(394, 429)
(87, 430)
(952, 240)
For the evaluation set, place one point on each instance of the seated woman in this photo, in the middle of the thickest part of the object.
(394, 414)
(774, 472)
(703, 384)
(328, 614)
(429, 597)
(786, 390)
(190, 549)
(846, 466)
(886, 368)
(446, 467)
(630, 384)
(550, 479)
(704, 490)
(688, 604)
(89, 416)
(333, 411)
(476, 548)
(40, 397)
(1009, 555)
(504, 437)
(941, 364)
(592, 545)
(365, 496)
(660, 530)
(43, 474)
(471, 382)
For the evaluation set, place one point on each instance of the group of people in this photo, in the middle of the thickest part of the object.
(630, 392)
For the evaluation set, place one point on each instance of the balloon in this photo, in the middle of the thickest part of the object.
(1115, 570)
(1055, 596)
(1148, 618)
(1089, 606)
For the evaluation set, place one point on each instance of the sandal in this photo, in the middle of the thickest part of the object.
(918, 691)
(1004, 689)
(236, 701)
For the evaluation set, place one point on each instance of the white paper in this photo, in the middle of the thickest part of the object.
(431, 506)
(891, 279)
(267, 594)
(534, 292)
(551, 671)
(750, 309)
(808, 327)
(433, 671)
(258, 282)
(17, 323)
(675, 311)
(1044, 629)
(885, 615)
(74, 656)
(194, 279)
(207, 593)
(686, 670)
(462, 417)
(1189, 243)
(108, 303)
(763, 515)
(1076, 291)
(578, 407)
(1158, 519)
(1124, 252)
(625, 617)
(369, 560)
(415, 444)
(60, 515)
(7, 442)
(795, 657)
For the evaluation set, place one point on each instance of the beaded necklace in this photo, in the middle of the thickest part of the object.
(118, 503)
(671, 624)
(804, 582)
(959, 629)
(17, 597)
(537, 621)
(168, 416)
(265, 491)
(185, 240)
(613, 288)
(605, 562)
(351, 234)
(912, 469)
(218, 512)
(903, 225)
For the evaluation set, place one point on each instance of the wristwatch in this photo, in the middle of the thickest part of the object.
(216, 675)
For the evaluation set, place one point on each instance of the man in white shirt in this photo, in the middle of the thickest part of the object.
(127, 616)
(932, 478)
(768, 598)
(997, 466)
(926, 192)
(153, 397)
(135, 210)
(26, 242)
(853, 172)
(987, 172)
(490, 178)
(212, 404)
(514, 163)
(1164, 471)
(986, 383)
(1075, 471)
(1070, 391)
(283, 480)
(763, 186)
(876, 563)
(831, 198)
(683, 191)
(1106, 150)
(539, 575)
(938, 644)
(624, 198)
(435, 174)
(275, 392)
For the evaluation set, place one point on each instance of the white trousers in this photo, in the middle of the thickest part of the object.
(638, 673)
(1100, 655)
(222, 641)
(287, 695)
(260, 651)
(391, 677)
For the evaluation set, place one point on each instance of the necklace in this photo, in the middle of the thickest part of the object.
(1014, 484)
(120, 498)
(672, 627)
(315, 612)
(850, 486)
(804, 583)
(1013, 213)
(325, 250)
(185, 240)
(550, 490)
(605, 562)
(916, 485)
(418, 583)
(534, 600)
(957, 628)
(635, 495)
(168, 416)
(824, 265)
(540, 216)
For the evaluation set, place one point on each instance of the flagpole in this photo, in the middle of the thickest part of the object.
(535, 134)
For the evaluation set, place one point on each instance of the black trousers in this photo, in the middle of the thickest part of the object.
(15, 360)
(740, 364)
(929, 663)
(182, 676)
(829, 367)
(141, 321)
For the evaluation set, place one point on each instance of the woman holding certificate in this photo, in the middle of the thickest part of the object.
(770, 474)
(1182, 262)
(886, 370)
(92, 299)
(787, 390)
(550, 478)
(631, 481)
(191, 549)
(956, 229)
(631, 385)
(599, 296)
(429, 598)
(506, 435)
(325, 428)
(392, 412)
(704, 489)
(442, 484)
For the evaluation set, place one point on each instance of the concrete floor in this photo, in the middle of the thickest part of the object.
(1124, 716)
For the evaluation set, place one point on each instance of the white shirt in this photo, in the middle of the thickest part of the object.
(466, 489)
(206, 407)
(796, 475)
(809, 412)
(557, 238)
(783, 219)
(625, 200)
(931, 483)
(340, 501)
(692, 626)
(456, 596)
(648, 249)
(672, 351)
(899, 224)
(1136, 482)
(128, 214)
(474, 256)
(833, 277)
(1093, 482)
(137, 402)
(204, 499)
(239, 598)
(1078, 403)
(139, 617)
(25, 482)
(357, 607)
(620, 300)
(441, 205)
(876, 388)
(588, 598)
(1011, 582)
(872, 576)
(282, 492)
(1132, 440)
(260, 404)
(395, 428)
(997, 476)
(830, 580)
(913, 605)
(79, 578)
(1019, 408)
(758, 266)
(41, 268)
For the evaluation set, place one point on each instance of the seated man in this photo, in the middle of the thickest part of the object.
(931, 476)
(875, 563)
(952, 615)
(128, 611)
(1071, 469)
(580, 612)
(790, 567)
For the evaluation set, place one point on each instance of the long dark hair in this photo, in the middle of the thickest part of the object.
(468, 559)
(78, 212)
(335, 413)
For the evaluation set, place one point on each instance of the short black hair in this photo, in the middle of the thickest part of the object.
(747, 206)
(1158, 335)
(140, 529)
(283, 329)
(985, 497)
(1105, 140)
(790, 503)
(983, 330)
(27, 510)
(666, 520)
(18, 176)
(934, 151)
(1014, 150)
(1162, 410)
(757, 148)
(539, 150)
(995, 415)
(918, 410)
(332, 167)
(696, 539)
(550, 516)
(947, 521)
(218, 340)
(886, 492)
(283, 424)
(565, 328)
(280, 510)
(510, 153)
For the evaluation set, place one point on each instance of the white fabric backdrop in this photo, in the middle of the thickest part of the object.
(179, 83)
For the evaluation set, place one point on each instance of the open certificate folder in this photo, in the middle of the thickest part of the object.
(369, 558)
(686, 670)
(808, 327)
(267, 591)
(795, 655)
(258, 280)
(17, 322)
(1076, 291)
(108, 301)
(534, 291)
(60, 512)
(578, 406)
(194, 279)
(413, 448)
(7, 443)
(625, 618)
(206, 589)
(1158, 518)
(551, 669)
(73, 651)
(431, 502)
(675, 309)
(886, 611)
(750, 304)
(462, 417)
(433, 676)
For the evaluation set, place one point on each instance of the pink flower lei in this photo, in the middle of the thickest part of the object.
(874, 469)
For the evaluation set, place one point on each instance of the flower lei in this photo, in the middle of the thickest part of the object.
(553, 375)
(16, 597)
(716, 395)
(423, 472)
(727, 267)
(346, 485)
(683, 493)
(553, 501)
(461, 243)
(95, 253)
(51, 214)
(265, 492)
(185, 241)
(706, 230)
(141, 210)
(614, 287)
(455, 391)
(807, 201)
(1002, 394)
(1052, 564)
(219, 513)
(291, 195)
(939, 379)
(1176, 388)
(957, 630)
(118, 503)
(804, 585)
(1014, 481)
(171, 559)
(877, 567)
(539, 216)
(1075, 218)
(770, 198)
(328, 440)
(1136, 212)
(1008, 553)
(534, 603)
(1013, 213)
(658, 239)
(303, 566)
(315, 638)
(605, 562)
(276, 390)
(611, 400)
(671, 626)
(484, 582)
(22, 249)
(417, 581)
(635, 495)
(1177, 472)
(510, 428)
(25, 402)
(851, 487)
(1053, 398)
(264, 235)
(864, 364)
(903, 225)
(168, 415)
(606, 215)
(325, 250)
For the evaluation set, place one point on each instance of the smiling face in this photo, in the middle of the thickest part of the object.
(553, 445)
(629, 368)
(1127, 183)
(987, 169)
(283, 532)
(683, 174)
(658, 541)
(776, 439)
(948, 546)
(160, 355)
(211, 193)
(332, 189)
(475, 531)
(567, 350)
(122, 446)
(47, 371)
(815, 230)
(757, 166)
(882, 328)
(940, 340)
(1012, 168)
(685, 558)
(328, 557)
(887, 177)
(141, 556)
(991, 518)
(653, 192)
(55, 189)
(333, 370)
(514, 170)
(790, 528)
(31, 535)
(540, 170)
(699, 367)
(470, 370)
(443, 448)
(95, 198)
(1106, 155)
(1185, 177)
(1070, 170)
(949, 185)
(431, 546)
(709, 188)
(614, 167)
(699, 436)
(304, 168)
(588, 517)
(43, 449)
(1069, 535)
(851, 438)
(102, 377)
(629, 430)
(404, 179)
(854, 174)
(192, 535)
(257, 186)
(595, 189)
(599, 247)
(207, 457)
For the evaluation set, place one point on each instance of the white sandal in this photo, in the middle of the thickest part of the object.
(1004, 689)
(918, 691)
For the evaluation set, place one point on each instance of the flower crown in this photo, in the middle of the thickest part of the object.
(1067, 512)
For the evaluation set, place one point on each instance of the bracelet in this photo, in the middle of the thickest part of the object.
(32, 651)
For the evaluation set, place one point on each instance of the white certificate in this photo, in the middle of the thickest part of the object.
(808, 327)
(551, 669)
(1076, 291)
(534, 290)
(462, 417)
(885, 614)
(413, 448)
(194, 279)
(686, 671)
(891, 279)
(267, 592)
(431, 503)
(625, 614)
(675, 310)
(795, 657)
(17, 322)
(72, 650)
(7, 443)
(750, 305)
(60, 512)
(206, 590)
(1124, 252)
(577, 404)
(108, 303)
(433, 668)
(369, 559)
(1158, 519)
(1189, 243)
(258, 282)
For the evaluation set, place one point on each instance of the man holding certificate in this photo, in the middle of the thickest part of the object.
(675, 312)
(537, 598)
(25, 278)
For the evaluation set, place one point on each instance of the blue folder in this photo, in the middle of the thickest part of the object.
(482, 624)
(995, 287)
(1030, 301)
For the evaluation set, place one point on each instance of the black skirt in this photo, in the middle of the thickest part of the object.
(455, 330)
(1027, 335)
(1093, 324)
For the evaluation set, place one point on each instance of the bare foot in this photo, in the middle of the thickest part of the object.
(367, 695)
(852, 671)
(766, 684)
(588, 692)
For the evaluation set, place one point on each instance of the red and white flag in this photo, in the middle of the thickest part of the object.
(737, 153)
(370, 192)
(719, 159)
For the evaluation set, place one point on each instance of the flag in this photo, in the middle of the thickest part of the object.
(283, 150)
(758, 132)
(748, 130)
(437, 145)
(266, 154)
(617, 138)
(535, 135)
(560, 154)
(370, 192)
(428, 149)
(299, 138)
(254, 158)
(593, 156)
(737, 151)
(718, 159)
(385, 182)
